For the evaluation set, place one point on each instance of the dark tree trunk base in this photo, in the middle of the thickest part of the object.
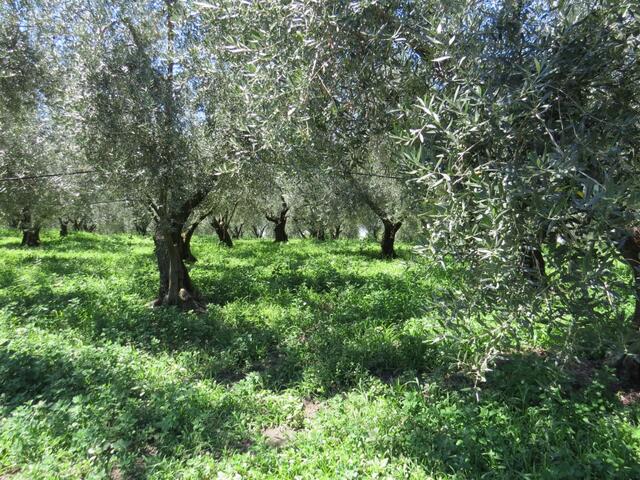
(30, 238)
(280, 223)
(389, 238)
(176, 288)
(186, 303)
(224, 237)
(280, 233)
(64, 228)
(222, 230)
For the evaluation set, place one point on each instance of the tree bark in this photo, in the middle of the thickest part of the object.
(83, 225)
(176, 288)
(335, 233)
(222, 230)
(185, 244)
(30, 237)
(30, 231)
(630, 249)
(389, 238)
(64, 227)
(280, 223)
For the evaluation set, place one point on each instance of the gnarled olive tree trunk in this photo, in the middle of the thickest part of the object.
(222, 230)
(280, 223)
(176, 288)
(30, 230)
(64, 227)
(185, 244)
(187, 235)
(389, 237)
(30, 237)
(391, 227)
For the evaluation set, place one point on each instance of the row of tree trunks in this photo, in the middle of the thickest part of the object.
(236, 232)
(280, 223)
(318, 233)
(258, 230)
(83, 225)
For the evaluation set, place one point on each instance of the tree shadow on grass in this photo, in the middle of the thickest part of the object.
(530, 419)
(129, 420)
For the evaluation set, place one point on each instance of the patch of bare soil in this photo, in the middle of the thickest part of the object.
(279, 436)
(9, 473)
(628, 398)
(310, 408)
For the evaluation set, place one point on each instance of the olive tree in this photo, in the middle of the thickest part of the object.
(162, 111)
(528, 154)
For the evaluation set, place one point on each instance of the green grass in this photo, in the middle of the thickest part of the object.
(93, 384)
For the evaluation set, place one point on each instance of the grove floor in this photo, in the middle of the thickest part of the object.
(314, 360)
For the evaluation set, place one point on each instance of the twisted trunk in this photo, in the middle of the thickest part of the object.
(64, 227)
(222, 230)
(30, 237)
(389, 238)
(176, 288)
(30, 231)
(280, 231)
(280, 223)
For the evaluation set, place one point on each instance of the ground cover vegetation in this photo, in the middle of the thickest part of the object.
(375, 238)
(313, 360)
